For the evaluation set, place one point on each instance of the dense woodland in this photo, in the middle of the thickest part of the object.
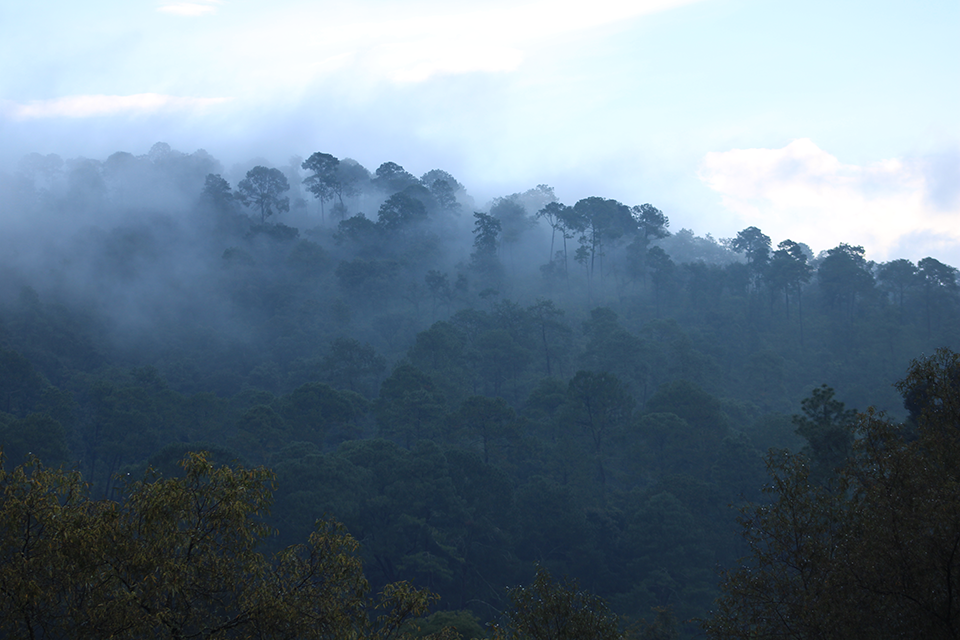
(473, 389)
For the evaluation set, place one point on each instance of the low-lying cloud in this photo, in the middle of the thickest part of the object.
(895, 208)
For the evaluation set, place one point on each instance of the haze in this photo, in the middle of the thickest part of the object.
(825, 122)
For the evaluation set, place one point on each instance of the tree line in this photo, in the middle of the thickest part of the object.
(473, 391)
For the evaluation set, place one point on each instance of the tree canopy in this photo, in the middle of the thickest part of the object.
(873, 556)
(177, 557)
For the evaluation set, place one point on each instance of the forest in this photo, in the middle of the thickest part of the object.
(484, 394)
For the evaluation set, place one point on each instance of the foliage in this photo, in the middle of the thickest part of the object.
(263, 189)
(176, 557)
(549, 610)
(875, 558)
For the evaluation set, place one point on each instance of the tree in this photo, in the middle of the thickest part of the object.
(600, 405)
(603, 221)
(486, 241)
(828, 428)
(875, 558)
(651, 223)
(262, 189)
(756, 246)
(844, 278)
(663, 270)
(555, 215)
(400, 212)
(546, 318)
(353, 365)
(409, 407)
(551, 610)
(324, 183)
(788, 271)
(217, 193)
(176, 557)
(939, 282)
(487, 419)
(445, 195)
(897, 277)
(392, 178)
(513, 218)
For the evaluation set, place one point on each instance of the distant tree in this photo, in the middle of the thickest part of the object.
(352, 177)
(391, 178)
(897, 277)
(663, 271)
(553, 212)
(263, 189)
(513, 218)
(551, 329)
(446, 196)
(400, 212)
(324, 180)
(486, 243)
(939, 282)
(217, 192)
(604, 221)
(828, 428)
(755, 245)
(439, 286)
(314, 410)
(359, 231)
(651, 223)
(600, 405)
(354, 366)
(487, 420)
(844, 278)
(788, 271)
(430, 177)
(409, 407)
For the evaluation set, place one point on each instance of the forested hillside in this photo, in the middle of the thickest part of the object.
(472, 388)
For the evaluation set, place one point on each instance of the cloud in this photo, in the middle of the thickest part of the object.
(189, 9)
(803, 193)
(101, 105)
(408, 62)
(406, 44)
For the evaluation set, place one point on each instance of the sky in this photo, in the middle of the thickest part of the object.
(817, 121)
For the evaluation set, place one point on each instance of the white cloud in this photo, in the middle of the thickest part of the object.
(102, 105)
(189, 9)
(408, 44)
(405, 62)
(803, 193)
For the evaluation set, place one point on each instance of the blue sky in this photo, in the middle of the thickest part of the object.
(822, 122)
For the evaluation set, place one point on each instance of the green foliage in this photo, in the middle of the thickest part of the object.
(599, 405)
(828, 428)
(35, 435)
(409, 407)
(874, 558)
(177, 557)
(549, 610)
(153, 290)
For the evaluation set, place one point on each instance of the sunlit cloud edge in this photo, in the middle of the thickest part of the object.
(88, 106)
(806, 194)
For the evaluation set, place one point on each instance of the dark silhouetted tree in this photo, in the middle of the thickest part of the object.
(263, 190)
